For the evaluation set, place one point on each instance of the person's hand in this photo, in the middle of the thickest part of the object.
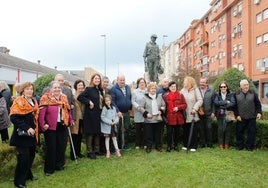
(149, 116)
(31, 131)
(120, 115)
(175, 109)
(91, 105)
(139, 108)
(193, 111)
(46, 126)
(212, 115)
(258, 116)
(238, 118)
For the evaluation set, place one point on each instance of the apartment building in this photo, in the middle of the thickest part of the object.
(232, 33)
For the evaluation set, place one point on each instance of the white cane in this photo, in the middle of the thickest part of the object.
(72, 144)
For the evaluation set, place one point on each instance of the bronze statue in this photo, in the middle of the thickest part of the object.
(152, 59)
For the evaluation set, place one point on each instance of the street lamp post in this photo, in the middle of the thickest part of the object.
(104, 37)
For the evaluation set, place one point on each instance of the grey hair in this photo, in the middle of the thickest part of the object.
(3, 85)
(244, 81)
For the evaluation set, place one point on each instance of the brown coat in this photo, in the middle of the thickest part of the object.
(79, 115)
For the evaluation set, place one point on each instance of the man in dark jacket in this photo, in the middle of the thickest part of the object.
(205, 128)
(121, 96)
(248, 108)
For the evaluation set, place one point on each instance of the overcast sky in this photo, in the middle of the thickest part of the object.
(67, 34)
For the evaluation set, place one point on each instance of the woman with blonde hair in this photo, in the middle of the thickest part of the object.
(194, 101)
(24, 115)
(152, 108)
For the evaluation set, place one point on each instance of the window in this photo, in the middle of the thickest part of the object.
(265, 90)
(259, 40)
(265, 14)
(265, 38)
(259, 17)
(265, 62)
(239, 52)
(259, 64)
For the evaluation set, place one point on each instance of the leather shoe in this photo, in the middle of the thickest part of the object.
(48, 174)
(91, 156)
(176, 148)
(168, 149)
(60, 168)
(33, 178)
(148, 150)
(80, 155)
(159, 149)
(20, 186)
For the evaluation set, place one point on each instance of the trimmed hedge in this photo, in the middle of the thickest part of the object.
(261, 140)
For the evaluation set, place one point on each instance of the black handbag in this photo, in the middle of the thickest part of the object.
(22, 132)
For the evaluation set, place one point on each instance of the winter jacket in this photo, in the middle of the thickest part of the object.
(147, 107)
(92, 117)
(175, 99)
(108, 115)
(222, 105)
(121, 102)
(208, 101)
(4, 118)
(137, 100)
(194, 101)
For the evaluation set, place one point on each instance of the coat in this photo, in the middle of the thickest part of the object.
(194, 101)
(137, 100)
(222, 104)
(91, 117)
(147, 107)
(78, 116)
(107, 117)
(4, 118)
(175, 99)
(121, 102)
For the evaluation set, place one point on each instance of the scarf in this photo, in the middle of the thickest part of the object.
(154, 104)
(48, 99)
(21, 106)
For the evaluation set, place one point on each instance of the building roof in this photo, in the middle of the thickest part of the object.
(18, 63)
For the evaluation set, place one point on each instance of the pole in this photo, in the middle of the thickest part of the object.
(104, 37)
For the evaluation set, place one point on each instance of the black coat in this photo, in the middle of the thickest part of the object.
(91, 117)
(24, 122)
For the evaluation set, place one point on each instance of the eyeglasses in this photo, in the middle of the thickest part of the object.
(223, 87)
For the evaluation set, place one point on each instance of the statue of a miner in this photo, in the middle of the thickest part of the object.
(152, 60)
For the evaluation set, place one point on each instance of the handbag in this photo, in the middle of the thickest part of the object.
(229, 116)
(22, 132)
(200, 111)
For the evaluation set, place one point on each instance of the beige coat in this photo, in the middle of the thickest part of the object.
(194, 101)
(79, 115)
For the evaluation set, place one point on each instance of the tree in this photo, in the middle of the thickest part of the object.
(232, 77)
(42, 82)
(182, 73)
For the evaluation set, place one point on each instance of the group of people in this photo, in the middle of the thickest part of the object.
(101, 112)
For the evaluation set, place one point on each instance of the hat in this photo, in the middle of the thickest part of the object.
(155, 36)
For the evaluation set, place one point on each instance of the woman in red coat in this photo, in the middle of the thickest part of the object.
(175, 102)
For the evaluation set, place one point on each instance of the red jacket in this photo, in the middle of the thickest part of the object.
(175, 99)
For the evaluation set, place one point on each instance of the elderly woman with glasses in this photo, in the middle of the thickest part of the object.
(224, 101)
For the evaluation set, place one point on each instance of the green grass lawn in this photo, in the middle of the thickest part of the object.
(136, 168)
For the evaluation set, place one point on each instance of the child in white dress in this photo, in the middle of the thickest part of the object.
(109, 120)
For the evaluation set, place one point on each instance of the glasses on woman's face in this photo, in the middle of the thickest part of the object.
(223, 87)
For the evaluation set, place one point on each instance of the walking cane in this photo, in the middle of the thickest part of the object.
(72, 144)
(123, 133)
(191, 133)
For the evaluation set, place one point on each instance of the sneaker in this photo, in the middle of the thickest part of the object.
(126, 148)
(118, 154)
(137, 147)
(184, 148)
(193, 150)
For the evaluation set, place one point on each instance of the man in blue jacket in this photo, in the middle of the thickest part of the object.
(121, 96)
